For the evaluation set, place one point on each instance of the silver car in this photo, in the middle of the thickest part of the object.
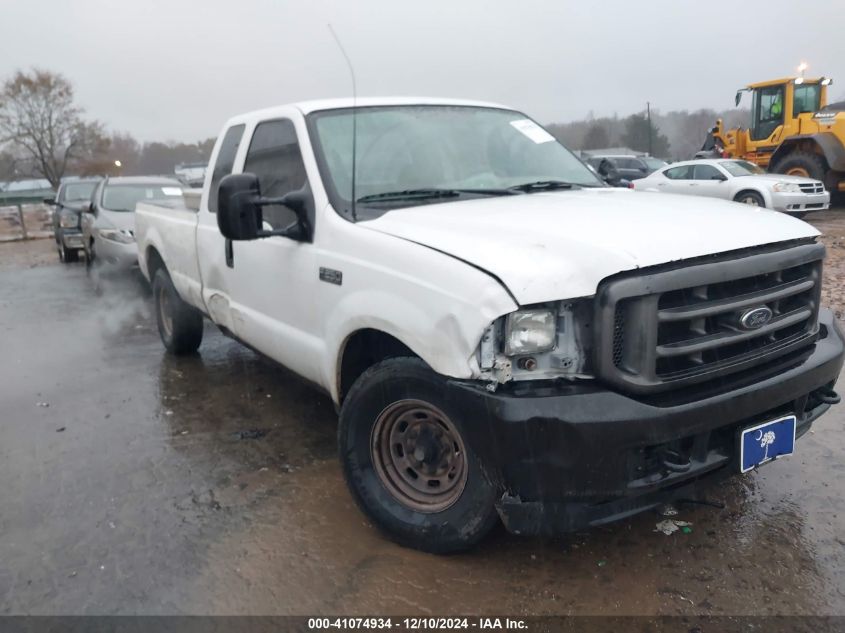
(108, 225)
(741, 181)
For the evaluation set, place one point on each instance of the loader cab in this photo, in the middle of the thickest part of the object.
(779, 102)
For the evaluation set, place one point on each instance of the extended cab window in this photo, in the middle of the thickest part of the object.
(707, 172)
(275, 158)
(684, 172)
(225, 162)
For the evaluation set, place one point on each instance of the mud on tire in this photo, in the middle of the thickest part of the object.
(179, 324)
(801, 164)
(407, 461)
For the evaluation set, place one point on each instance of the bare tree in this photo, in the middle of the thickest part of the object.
(39, 119)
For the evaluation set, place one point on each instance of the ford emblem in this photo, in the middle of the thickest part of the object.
(755, 318)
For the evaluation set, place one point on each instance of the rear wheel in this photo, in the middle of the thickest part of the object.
(179, 324)
(751, 198)
(802, 164)
(407, 460)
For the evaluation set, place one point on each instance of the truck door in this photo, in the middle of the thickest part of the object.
(213, 250)
(273, 279)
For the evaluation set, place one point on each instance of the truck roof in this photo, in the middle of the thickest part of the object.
(307, 107)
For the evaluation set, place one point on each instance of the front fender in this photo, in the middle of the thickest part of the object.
(831, 148)
(444, 336)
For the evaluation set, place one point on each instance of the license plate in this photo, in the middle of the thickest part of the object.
(763, 443)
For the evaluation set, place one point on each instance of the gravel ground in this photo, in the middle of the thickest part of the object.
(134, 482)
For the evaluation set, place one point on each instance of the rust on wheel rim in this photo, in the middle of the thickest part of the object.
(419, 455)
(798, 171)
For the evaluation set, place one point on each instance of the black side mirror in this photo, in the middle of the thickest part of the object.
(239, 215)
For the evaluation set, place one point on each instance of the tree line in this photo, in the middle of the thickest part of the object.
(675, 135)
(45, 134)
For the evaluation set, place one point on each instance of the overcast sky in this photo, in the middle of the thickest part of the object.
(175, 70)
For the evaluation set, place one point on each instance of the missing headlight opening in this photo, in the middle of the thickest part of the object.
(538, 343)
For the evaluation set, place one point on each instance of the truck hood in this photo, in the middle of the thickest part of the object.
(549, 246)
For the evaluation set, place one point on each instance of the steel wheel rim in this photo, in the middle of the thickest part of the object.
(164, 311)
(751, 201)
(419, 456)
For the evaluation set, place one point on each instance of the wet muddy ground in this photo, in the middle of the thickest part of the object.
(132, 482)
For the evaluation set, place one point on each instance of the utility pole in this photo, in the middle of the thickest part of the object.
(648, 117)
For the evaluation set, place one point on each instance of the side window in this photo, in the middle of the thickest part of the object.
(707, 172)
(684, 172)
(275, 158)
(768, 108)
(806, 98)
(225, 162)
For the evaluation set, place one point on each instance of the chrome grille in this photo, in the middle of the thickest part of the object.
(812, 187)
(684, 324)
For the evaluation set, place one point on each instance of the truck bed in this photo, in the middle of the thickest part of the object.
(170, 229)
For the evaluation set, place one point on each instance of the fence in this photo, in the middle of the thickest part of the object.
(23, 221)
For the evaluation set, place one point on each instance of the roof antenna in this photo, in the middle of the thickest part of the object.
(354, 115)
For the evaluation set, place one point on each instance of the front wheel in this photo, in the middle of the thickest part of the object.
(407, 460)
(751, 198)
(179, 324)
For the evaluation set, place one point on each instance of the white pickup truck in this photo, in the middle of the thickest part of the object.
(504, 336)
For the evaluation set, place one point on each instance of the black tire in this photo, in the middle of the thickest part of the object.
(812, 165)
(751, 198)
(179, 324)
(90, 256)
(460, 516)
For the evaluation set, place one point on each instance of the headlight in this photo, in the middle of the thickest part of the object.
(530, 331)
(786, 187)
(115, 235)
(68, 220)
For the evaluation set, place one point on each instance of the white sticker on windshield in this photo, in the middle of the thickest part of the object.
(171, 191)
(532, 130)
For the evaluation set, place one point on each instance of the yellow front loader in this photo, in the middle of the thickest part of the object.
(793, 130)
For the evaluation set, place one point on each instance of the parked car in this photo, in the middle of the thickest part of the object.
(71, 198)
(652, 163)
(619, 171)
(741, 181)
(191, 174)
(503, 336)
(108, 224)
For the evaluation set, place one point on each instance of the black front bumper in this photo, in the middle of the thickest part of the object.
(569, 456)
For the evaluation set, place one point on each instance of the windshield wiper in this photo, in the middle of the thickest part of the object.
(545, 185)
(424, 194)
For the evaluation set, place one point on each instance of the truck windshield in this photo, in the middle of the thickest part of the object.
(425, 154)
(125, 197)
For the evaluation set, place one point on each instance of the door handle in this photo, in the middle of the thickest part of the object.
(230, 254)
